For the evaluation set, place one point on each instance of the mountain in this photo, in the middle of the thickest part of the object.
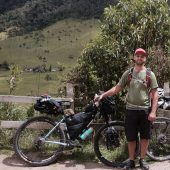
(19, 17)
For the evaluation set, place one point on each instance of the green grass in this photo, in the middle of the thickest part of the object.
(33, 84)
(61, 43)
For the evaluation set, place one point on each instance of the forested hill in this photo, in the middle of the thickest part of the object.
(22, 16)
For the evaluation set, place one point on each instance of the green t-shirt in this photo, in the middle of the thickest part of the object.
(138, 96)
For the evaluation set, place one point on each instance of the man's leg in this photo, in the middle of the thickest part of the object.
(131, 131)
(132, 148)
(144, 146)
(145, 134)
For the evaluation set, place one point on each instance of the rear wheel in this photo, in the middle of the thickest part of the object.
(159, 147)
(31, 146)
(110, 144)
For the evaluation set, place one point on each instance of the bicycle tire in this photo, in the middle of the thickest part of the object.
(159, 147)
(28, 145)
(113, 156)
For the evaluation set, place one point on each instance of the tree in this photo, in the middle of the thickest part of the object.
(160, 65)
(124, 27)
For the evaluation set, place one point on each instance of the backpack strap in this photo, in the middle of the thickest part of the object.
(130, 76)
(148, 77)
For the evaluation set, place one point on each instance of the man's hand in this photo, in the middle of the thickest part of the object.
(152, 116)
(98, 97)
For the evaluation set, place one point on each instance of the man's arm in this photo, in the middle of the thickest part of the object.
(152, 115)
(115, 90)
(112, 91)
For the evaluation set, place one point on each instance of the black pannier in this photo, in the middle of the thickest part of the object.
(77, 123)
(49, 106)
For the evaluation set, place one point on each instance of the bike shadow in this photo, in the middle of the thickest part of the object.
(84, 165)
(80, 159)
(62, 162)
(14, 161)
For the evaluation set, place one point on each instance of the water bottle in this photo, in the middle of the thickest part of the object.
(86, 133)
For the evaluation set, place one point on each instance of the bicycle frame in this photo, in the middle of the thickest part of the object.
(50, 132)
(165, 130)
(167, 126)
(45, 138)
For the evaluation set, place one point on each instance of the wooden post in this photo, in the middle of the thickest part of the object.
(70, 93)
(166, 89)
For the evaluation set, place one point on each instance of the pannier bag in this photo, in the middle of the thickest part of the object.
(48, 105)
(112, 138)
(77, 123)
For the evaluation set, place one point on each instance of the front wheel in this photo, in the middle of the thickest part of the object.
(110, 144)
(30, 144)
(159, 147)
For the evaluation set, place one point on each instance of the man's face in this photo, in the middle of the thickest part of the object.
(140, 59)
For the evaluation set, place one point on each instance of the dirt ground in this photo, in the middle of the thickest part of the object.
(11, 162)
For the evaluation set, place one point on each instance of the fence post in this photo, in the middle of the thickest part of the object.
(70, 93)
(166, 89)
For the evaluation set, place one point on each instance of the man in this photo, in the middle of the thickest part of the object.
(139, 111)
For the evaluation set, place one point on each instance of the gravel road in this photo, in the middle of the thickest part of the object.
(11, 162)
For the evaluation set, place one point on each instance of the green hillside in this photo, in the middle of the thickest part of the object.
(61, 44)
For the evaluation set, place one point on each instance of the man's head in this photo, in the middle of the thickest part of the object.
(140, 56)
